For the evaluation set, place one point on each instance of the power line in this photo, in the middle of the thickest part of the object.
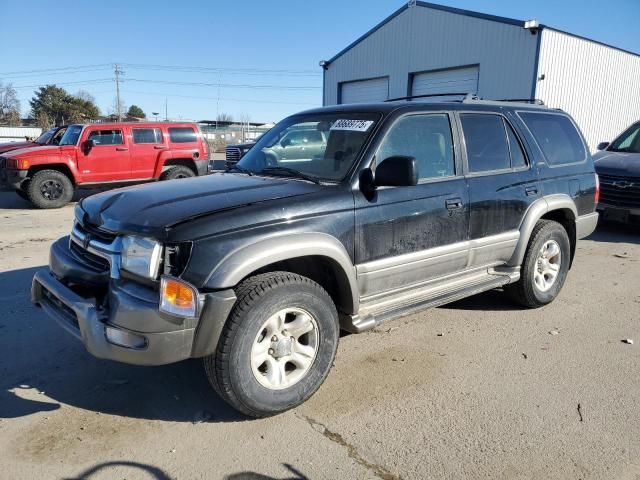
(225, 70)
(100, 66)
(92, 81)
(248, 100)
(225, 85)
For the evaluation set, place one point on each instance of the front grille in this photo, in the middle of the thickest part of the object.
(91, 260)
(620, 191)
(100, 235)
(232, 154)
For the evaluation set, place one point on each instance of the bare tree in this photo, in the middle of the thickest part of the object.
(113, 111)
(224, 117)
(86, 96)
(43, 120)
(244, 119)
(9, 105)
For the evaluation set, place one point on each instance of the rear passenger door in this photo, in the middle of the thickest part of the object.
(407, 235)
(147, 143)
(501, 182)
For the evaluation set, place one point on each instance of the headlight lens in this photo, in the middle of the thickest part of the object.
(141, 256)
(178, 297)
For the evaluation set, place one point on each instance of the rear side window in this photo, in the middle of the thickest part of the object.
(147, 135)
(518, 159)
(106, 137)
(486, 141)
(182, 135)
(557, 137)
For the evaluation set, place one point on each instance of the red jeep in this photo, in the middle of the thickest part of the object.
(111, 154)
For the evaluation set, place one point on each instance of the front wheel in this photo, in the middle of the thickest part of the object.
(277, 346)
(545, 266)
(49, 189)
(175, 173)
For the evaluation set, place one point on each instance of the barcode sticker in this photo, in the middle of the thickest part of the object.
(353, 125)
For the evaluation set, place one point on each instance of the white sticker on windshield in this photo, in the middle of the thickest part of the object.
(354, 125)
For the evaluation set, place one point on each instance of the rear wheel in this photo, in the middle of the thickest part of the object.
(175, 173)
(49, 189)
(277, 346)
(545, 266)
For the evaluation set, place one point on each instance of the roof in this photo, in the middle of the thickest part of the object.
(467, 13)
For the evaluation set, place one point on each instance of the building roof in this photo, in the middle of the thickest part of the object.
(467, 13)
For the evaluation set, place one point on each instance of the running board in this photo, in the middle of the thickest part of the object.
(397, 305)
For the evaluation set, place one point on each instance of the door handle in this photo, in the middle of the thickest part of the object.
(121, 149)
(531, 191)
(453, 203)
(159, 147)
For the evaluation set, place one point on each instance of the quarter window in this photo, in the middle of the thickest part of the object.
(147, 135)
(427, 138)
(182, 135)
(106, 137)
(486, 142)
(518, 159)
(557, 137)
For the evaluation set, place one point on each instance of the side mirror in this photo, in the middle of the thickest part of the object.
(88, 145)
(285, 142)
(397, 171)
(603, 145)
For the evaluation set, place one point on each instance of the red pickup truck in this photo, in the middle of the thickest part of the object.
(104, 154)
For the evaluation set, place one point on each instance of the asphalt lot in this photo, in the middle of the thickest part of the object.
(477, 389)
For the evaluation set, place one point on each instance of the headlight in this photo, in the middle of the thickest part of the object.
(140, 256)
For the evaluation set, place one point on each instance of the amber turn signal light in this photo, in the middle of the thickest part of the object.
(178, 297)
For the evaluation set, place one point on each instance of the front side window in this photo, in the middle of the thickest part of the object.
(44, 138)
(147, 135)
(427, 138)
(486, 142)
(106, 137)
(72, 135)
(629, 141)
(321, 146)
(182, 135)
(557, 137)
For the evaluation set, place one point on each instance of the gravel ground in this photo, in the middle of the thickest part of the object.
(476, 389)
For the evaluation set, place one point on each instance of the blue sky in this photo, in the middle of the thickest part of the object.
(258, 44)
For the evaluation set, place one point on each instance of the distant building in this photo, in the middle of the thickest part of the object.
(424, 48)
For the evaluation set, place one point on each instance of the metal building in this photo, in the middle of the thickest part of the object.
(425, 48)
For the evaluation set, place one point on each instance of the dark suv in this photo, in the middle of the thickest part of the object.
(410, 205)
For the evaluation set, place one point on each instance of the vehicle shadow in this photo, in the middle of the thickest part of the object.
(10, 200)
(608, 232)
(150, 471)
(490, 301)
(297, 475)
(42, 366)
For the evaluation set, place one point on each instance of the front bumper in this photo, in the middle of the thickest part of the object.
(66, 294)
(617, 214)
(12, 178)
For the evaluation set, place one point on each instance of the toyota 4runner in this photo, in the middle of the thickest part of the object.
(409, 205)
(105, 154)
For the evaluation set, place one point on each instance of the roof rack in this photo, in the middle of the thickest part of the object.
(535, 101)
(467, 96)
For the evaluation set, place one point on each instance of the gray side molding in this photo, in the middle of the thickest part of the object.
(536, 210)
(242, 262)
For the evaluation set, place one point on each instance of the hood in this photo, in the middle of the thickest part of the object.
(152, 209)
(617, 163)
(7, 147)
(40, 150)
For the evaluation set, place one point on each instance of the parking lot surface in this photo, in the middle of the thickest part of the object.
(476, 389)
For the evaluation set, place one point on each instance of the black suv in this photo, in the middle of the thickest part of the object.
(411, 205)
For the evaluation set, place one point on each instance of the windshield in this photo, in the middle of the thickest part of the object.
(629, 141)
(319, 146)
(45, 137)
(71, 136)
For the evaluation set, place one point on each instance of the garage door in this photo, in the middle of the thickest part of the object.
(373, 90)
(455, 80)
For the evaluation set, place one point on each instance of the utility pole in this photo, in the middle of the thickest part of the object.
(166, 114)
(118, 72)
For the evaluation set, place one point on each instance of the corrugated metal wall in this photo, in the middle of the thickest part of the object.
(598, 85)
(421, 39)
(17, 134)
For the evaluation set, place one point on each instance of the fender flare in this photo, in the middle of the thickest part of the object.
(242, 262)
(535, 212)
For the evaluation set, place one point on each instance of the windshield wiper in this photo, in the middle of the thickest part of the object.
(238, 168)
(292, 172)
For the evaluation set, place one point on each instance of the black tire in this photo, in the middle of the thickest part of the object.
(526, 292)
(175, 173)
(49, 189)
(229, 370)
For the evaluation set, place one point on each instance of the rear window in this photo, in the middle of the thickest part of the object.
(147, 135)
(182, 135)
(557, 137)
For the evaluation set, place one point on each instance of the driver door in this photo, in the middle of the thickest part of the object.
(410, 234)
(108, 160)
